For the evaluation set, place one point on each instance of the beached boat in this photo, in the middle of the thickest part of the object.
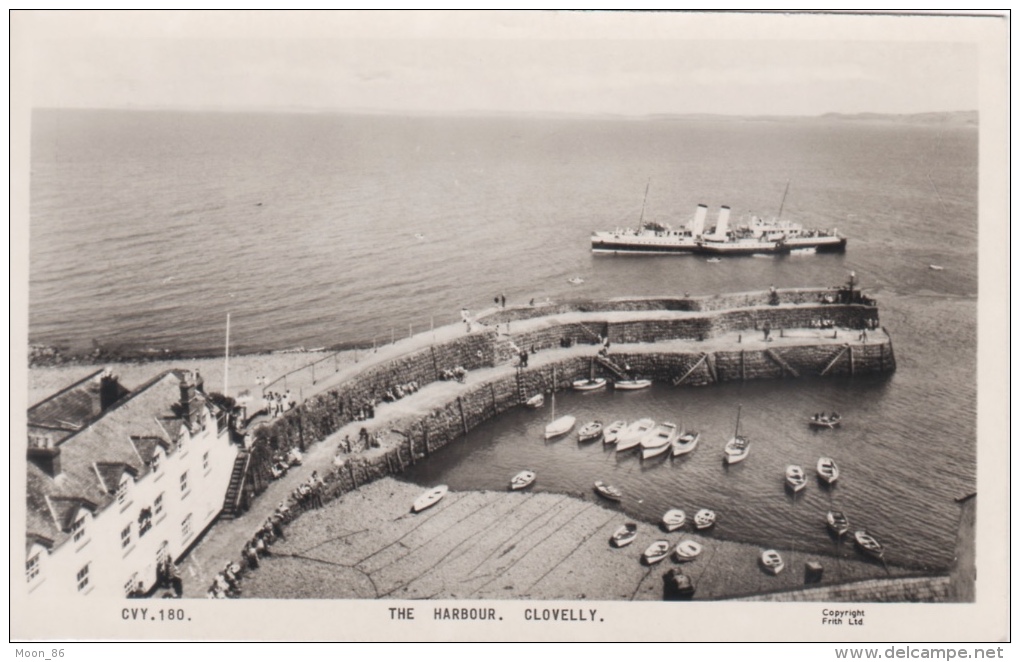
(687, 550)
(624, 535)
(674, 519)
(827, 470)
(823, 421)
(772, 561)
(738, 447)
(608, 491)
(795, 478)
(868, 544)
(429, 499)
(589, 384)
(655, 552)
(632, 435)
(838, 523)
(685, 443)
(704, 519)
(631, 384)
(535, 401)
(590, 431)
(676, 585)
(522, 480)
(612, 431)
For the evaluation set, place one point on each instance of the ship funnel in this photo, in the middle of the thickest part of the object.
(698, 226)
(723, 224)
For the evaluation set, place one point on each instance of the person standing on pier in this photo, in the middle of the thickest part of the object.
(766, 329)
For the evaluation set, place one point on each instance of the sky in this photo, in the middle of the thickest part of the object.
(631, 64)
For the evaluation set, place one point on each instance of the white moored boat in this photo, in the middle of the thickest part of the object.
(795, 478)
(663, 434)
(687, 550)
(772, 561)
(868, 544)
(674, 519)
(624, 535)
(590, 431)
(657, 551)
(589, 384)
(522, 480)
(827, 470)
(685, 443)
(633, 434)
(560, 426)
(535, 401)
(649, 453)
(738, 447)
(838, 523)
(429, 499)
(704, 519)
(612, 432)
(608, 491)
(631, 384)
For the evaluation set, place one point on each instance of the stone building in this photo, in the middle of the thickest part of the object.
(118, 481)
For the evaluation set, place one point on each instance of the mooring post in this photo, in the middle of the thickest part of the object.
(851, 361)
(463, 420)
(354, 480)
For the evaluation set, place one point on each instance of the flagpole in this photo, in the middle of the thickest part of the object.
(226, 361)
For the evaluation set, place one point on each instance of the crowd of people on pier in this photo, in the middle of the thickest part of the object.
(397, 392)
(278, 403)
(458, 373)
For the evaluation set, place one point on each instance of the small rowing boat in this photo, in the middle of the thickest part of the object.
(522, 480)
(655, 552)
(589, 384)
(634, 433)
(649, 453)
(624, 535)
(868, 544)
(685, 443)
(704, 519)
(631, 384)
(535, 401)
(838, 523)
(687, 550)
(677, 585)
(662, 435)
(612, 432)
(772, 561)
(823, 421)
(738, 447)
(429, 499)
(795, 478)
(590, 431)
(827, 470)
(576, 280)
(674, 519)
(608, 491)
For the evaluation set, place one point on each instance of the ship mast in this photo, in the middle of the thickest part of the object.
(641, 222)
(781, 204)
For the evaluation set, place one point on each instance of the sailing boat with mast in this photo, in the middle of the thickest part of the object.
(738, 447)
(562, 425)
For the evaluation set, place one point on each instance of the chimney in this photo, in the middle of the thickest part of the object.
(698, 226)
(723, 224)
(189, 402)
(46, 458)
(110, 390)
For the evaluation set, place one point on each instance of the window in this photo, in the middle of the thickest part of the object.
(205, 461)
(122, 491)
(186, 527)
(144, 521)
(83, 578)
(78, 528)
(157, 505)
(184, 483)
(32, 566)
(155, 462)
(132, 585)
(125, 537)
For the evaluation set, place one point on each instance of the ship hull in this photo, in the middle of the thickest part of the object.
(673, 246)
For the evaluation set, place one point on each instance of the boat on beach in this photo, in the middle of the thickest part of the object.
(676, 585)
(633, 434)
(738, 447)
(631, 384)
(704, 519)
(589, 384)
(655, 552)
(685, 443)
(590, 431)
(429, 499)
(827, 470)
(612, 431)
(837, 522)
(674, 519)
(868, 544)
(624, 535)
(687, 550)
(608, 491)
(795, 478)
(522, 480)
(772, 561)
